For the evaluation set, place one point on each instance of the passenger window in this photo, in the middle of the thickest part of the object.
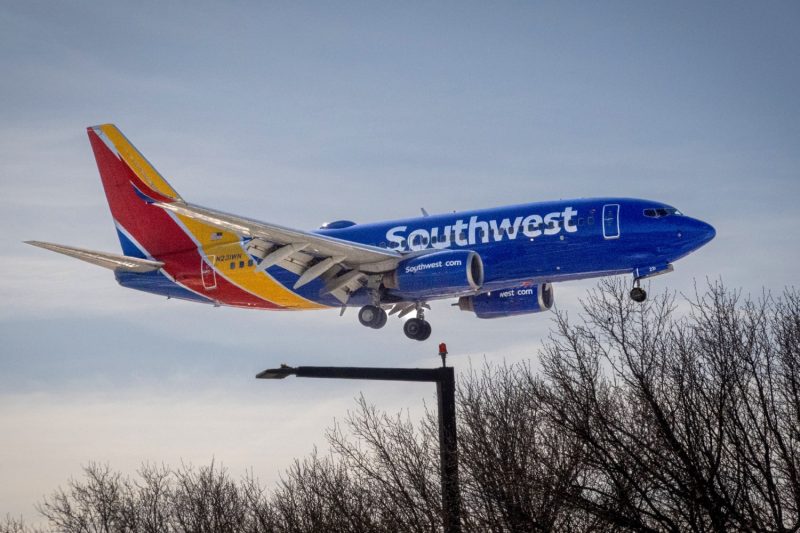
(590, 220)
(581, 221)
(233, 265)
(250, 263)
(241, 264)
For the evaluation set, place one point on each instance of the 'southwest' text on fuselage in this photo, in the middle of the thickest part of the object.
(475, 230)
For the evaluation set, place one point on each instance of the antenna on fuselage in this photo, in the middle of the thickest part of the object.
(424, 212)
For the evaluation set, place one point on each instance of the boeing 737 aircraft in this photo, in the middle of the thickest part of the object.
(498, 262)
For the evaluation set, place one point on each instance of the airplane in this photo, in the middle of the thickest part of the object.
(498, 262)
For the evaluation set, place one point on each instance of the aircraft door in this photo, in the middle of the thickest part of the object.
(207, 272)
(611, 221)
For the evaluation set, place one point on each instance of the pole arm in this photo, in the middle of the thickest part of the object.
(344, 372)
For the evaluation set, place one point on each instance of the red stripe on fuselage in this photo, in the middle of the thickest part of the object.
(158, 233)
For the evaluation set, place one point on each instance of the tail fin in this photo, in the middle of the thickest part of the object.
(131, 184)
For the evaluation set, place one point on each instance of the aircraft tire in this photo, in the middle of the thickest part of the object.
(413, 327)
(382, 319)
(426, 331)
(638, 294)
(417, 329)
(371, 315)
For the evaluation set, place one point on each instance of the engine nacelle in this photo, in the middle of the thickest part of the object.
(509, 302)
(443, 273)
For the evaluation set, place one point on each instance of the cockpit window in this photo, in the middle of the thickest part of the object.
(659, 212)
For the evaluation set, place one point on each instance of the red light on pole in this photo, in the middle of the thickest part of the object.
(443, 353)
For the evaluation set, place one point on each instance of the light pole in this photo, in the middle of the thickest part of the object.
(444, 378)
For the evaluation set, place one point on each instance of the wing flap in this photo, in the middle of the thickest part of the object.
(116, 262)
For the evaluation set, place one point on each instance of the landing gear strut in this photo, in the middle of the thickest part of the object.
(417, 328)
(638, 294)
(372, 316)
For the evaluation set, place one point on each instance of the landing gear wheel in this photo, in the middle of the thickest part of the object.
(638, 294)
(372, 316)
(383, 318)
(426, 331)
(417, 329)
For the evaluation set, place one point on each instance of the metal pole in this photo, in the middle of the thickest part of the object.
(448, 450)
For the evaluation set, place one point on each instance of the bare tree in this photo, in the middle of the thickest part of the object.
(187, 499)
(321, 494)
(94, 506)
(515, 468)
(16, 525)
(687, 423)
(397, 463)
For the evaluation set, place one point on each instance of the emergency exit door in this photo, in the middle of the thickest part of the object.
(207, 272)
(611, 221)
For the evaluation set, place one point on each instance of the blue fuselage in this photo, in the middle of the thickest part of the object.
(548, 241)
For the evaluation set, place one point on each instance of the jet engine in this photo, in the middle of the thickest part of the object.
(509, 302)
(437, 274)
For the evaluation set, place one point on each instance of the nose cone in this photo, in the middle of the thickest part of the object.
(699, 233)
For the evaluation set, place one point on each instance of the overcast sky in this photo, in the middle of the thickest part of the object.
(301, 113)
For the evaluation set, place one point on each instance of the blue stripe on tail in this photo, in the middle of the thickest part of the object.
(128, 248)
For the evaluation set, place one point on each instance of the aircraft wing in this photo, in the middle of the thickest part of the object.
(279, 243)
(116, 262)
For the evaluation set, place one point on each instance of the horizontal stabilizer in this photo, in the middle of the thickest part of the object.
(116, 262)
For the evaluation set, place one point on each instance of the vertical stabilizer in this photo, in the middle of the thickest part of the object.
(132, 185)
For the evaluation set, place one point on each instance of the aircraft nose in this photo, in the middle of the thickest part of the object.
(700, 233)
(708, 231)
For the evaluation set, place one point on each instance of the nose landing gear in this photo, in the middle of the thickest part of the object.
(418, 328)
(638, 294)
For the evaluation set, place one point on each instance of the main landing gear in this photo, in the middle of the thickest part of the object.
(372, 316)
(638, 294)
(417, 328)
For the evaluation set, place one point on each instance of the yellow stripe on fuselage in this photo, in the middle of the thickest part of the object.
(224, 248)
(136, 161)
